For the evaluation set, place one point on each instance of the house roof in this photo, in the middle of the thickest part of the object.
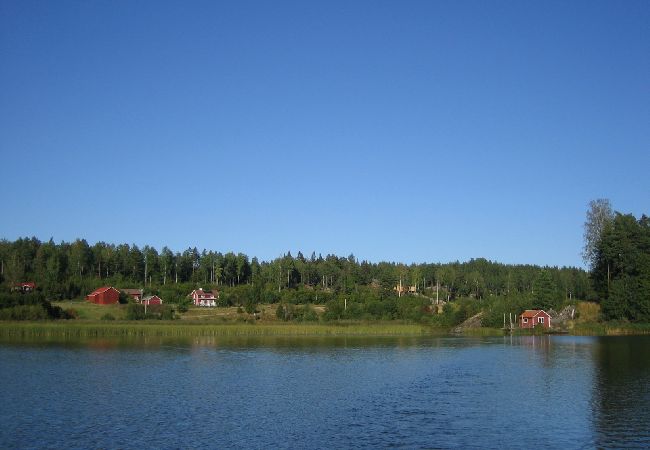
(101, 290)
(29, 284)
(131, 291)
(200, 291)
(531, 313)
(150, 297)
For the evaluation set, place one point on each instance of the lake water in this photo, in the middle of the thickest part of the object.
(440, 392)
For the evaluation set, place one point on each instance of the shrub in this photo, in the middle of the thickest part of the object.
(71, 313)
(135, 312)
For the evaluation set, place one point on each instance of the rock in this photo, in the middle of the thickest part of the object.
(472, 322)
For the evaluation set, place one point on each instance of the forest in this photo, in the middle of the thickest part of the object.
(349, 287)
(617, 250)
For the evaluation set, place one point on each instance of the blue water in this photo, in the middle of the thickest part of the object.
(512, 392)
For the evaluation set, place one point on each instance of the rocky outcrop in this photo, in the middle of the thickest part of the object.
(561, 319)
(472, 322)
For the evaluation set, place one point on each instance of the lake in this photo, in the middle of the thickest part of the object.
(440, 392)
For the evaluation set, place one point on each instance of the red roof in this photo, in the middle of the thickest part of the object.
(132, 291)
(101, 290)
(531, 313)
(28, 284)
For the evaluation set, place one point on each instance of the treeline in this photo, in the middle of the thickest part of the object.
(70, 270)
(617, 249)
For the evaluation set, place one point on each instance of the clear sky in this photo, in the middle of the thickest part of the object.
(411, 131)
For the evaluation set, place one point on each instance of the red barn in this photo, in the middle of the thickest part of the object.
(533, 317)
(106, 295)
(152, 300)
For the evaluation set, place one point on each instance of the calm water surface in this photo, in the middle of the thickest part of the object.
(506, 392)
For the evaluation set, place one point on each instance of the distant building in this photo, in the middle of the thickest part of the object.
(25, 288)
(400, 289)
(534, 317)
(204, 298)
(135, 294)
(152, 300)
(106, 295)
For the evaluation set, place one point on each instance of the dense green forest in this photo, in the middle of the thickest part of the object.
(621, 269)
(350, 288)
(617, 249)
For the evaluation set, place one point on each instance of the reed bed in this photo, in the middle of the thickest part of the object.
(610, 329)
(49, 329)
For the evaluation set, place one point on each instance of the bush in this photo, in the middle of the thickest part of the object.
(135, 312)
(167, 313)
(71, 313)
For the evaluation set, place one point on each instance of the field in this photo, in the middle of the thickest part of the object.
(86, 311)
(228, 321)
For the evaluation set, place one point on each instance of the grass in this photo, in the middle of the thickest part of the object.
(588, 312)
(229, 322)
(168, 329)
(90, 311)
(610, 329)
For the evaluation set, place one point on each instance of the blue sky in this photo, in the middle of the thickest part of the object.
(404, 131)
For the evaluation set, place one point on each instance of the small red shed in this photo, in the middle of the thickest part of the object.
(152, 300)
(106, 295)
(534, 317)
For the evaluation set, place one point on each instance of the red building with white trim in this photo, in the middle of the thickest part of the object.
(135, 294)
(106, 295)
(204, 298)
(534, 317)
(152, 300)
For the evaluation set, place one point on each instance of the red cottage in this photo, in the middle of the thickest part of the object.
(533, 317)
(204, 298)
(152, 300)
(104, 296)
(135, 294)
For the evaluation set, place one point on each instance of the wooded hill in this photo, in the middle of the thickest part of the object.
(71, 270)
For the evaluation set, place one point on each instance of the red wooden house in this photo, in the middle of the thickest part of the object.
(106, 295)
(534, 317)
(152, 300)
(204, 298)
(135, 294)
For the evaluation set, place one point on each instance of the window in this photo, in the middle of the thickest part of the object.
(525, 320)
(540, 320)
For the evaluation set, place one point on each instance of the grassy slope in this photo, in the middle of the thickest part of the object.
(229, 322)
(198, 322)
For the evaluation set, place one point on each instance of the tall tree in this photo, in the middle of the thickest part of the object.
(622, 272)
(599, 215)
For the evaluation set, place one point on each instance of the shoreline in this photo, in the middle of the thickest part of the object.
(172, 329)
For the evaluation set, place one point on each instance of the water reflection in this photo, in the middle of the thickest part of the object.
(325, 392)
(621, 395)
